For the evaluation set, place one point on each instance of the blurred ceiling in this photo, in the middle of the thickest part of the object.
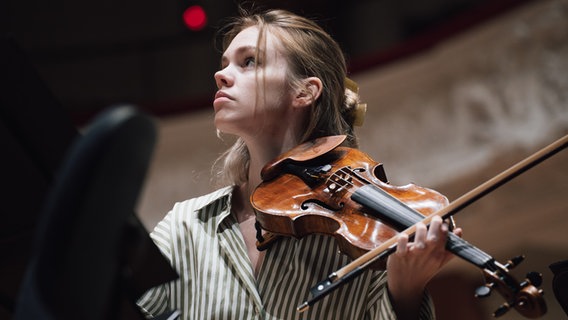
(94, 54)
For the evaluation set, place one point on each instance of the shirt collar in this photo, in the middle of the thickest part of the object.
(222, 198)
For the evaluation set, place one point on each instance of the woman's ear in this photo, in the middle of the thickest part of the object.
(308, 93)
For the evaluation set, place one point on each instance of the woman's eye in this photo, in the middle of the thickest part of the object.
(249, 62)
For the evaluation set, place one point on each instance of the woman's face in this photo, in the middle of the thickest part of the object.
(252, 94)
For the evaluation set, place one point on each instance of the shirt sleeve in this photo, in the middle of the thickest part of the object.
(380, 307)
(155, 301)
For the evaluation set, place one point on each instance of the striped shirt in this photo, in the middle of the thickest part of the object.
(203, 242)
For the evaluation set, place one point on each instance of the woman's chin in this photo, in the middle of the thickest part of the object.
(224, 126)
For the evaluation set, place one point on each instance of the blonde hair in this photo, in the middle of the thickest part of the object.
(310, 52)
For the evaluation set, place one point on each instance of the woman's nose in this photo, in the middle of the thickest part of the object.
(223, 79)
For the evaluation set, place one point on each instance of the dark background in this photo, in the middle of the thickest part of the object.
(93, 54)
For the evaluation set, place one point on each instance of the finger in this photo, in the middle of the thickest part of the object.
(434, 230)
(402, 244)
(458, 232)
(420, 236)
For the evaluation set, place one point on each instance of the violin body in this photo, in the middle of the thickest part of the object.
(316, 197)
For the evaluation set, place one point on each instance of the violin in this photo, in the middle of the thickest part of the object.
(319, 178)
(325, 188)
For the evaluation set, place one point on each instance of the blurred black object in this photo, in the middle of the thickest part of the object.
(92, 259)
(560, 283)
(35, 132)
(67, 220)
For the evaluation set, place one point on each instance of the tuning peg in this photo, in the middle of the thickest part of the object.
(483, 291)
(535, 278)
(501, 310)
(513, 262)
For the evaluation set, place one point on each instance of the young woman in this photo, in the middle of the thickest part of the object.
(281, 83)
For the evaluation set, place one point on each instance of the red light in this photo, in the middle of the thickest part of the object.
(195, 18)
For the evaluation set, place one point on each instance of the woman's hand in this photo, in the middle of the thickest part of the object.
(414, 264)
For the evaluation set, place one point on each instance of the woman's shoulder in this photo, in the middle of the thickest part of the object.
(184, 212)
(196, 204)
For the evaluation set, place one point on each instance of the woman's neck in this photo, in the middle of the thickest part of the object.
(241, 206)
(269, 142)
(262, 151)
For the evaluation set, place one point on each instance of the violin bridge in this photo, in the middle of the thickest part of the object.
(340, 180)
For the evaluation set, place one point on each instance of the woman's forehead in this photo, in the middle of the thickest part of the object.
(248, 37)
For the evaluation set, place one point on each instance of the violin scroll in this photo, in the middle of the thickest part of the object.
(525, 297)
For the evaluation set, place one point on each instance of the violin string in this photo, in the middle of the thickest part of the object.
(473, 251)
(406, 215)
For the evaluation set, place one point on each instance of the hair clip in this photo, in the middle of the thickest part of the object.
(361, 108)
(351, 85)
(359, 114)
